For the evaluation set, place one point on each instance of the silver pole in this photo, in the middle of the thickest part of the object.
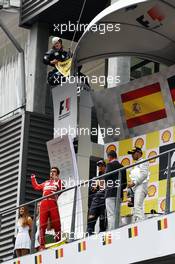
(22, 70)
(32, 250)
(22, 59)
(117, 206)
(73, 216)
(168, 189)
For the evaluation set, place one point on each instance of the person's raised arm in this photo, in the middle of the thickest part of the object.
(36, 186)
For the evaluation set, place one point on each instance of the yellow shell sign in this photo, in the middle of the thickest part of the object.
(125, 162)
(152, 154)
(162, 205)
(111, 147)
(139, 142)
(166, 135)
(152, 190)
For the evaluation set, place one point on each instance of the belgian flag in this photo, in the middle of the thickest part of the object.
(133, 232)
(143, 105)
(38, 259)
(171, 83)
(17, 262)
(82, 246)
(162, 224)
(107, 239)
(59, 253)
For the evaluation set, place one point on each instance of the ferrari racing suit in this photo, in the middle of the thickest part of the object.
(48, 208)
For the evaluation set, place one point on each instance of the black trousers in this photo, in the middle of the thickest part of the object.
(97, 212)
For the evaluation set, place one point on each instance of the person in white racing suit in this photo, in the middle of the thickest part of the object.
(139, 177)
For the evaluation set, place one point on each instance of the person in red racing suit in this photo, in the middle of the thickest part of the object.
(48, 206)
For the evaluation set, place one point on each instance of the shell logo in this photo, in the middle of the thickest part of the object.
(152, 154)
(125, 162)
(139, 142)
(166, 135)
(111, 147)
(152, 190)
(162, 205)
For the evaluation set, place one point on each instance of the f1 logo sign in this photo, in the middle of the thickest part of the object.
(64, 108)
(153, 18)
(156, 14)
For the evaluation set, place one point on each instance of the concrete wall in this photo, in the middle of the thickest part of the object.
(10, 86)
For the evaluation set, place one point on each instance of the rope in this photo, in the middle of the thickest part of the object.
(82, 9)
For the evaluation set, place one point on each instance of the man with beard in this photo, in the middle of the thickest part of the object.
(48, 207)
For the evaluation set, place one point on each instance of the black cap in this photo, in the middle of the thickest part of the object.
(136, 149)
(112, 153)
(101, 162)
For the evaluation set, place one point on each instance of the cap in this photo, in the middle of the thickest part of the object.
(136, 149)
(112, 153)
(101, 162)
(55, 40)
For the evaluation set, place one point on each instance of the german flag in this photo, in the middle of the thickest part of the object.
(171, 83)
(143, 105)
(162, 224)
(38, 259)
(17, 262)
(59, 253)
(107, 239)
(133, 232)
(82, 246)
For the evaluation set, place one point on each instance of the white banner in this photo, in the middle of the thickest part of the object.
(61, 154)
(145, 240)
(65, 109)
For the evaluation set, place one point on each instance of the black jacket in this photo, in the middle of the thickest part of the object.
(55, 54)
(92, 192)
(111, 180)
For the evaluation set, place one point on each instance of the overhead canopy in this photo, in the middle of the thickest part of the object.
(60, 12)
(147, 30)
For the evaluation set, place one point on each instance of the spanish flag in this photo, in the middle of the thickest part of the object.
(82, 246)
(38, 259)
(133, 232)
(17, 262)
(162, 224)
(59, 253)
(143, 105)
(64, 67)
(107, 239)
(171, 83)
